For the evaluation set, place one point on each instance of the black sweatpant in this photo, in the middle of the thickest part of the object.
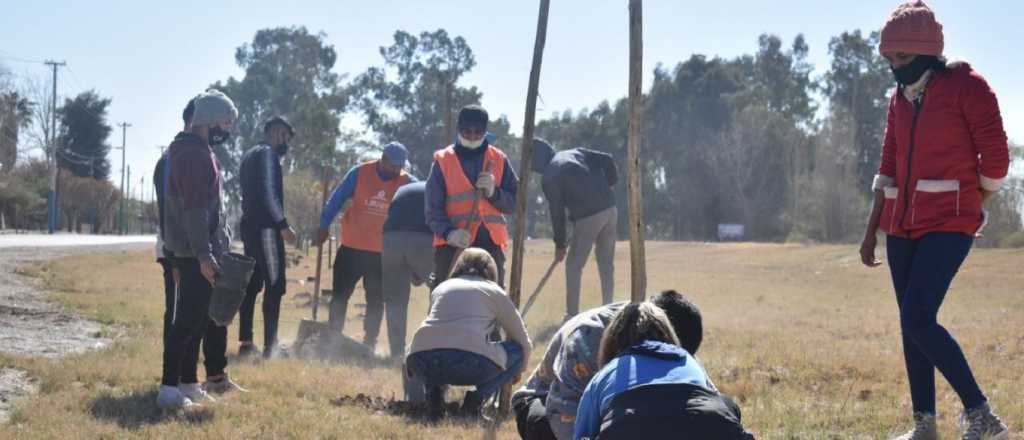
(190, 326)
(531, 418)
(350, 266)
(267, 247)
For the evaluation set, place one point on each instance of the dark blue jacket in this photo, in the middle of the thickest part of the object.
(406, 212)
(579, 181)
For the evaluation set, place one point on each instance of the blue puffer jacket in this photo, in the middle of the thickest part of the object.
(648, 362)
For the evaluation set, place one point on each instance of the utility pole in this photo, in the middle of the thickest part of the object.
(51, 199)
(120, 214)
(128, 194)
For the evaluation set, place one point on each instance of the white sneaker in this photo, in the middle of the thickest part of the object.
(172, 398)
(195, 393)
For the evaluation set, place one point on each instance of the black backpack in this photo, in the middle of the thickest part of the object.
(672, 411)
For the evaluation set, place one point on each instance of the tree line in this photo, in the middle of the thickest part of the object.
(756, 140)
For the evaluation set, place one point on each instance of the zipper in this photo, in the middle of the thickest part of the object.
(917, 103)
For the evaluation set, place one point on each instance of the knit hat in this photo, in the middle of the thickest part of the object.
(540, 155)
(912, 29)
(212, 107)
(472, 116)
(396, 153)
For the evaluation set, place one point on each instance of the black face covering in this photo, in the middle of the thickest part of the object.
(282, 149)
(911, 73)
(218, 135)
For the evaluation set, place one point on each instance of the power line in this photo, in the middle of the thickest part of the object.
(7, 56)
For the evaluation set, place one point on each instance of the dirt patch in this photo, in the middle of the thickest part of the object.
(14, 384)
(399, 408)
(34, 326)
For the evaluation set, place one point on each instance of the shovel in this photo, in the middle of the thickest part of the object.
(540, 286)
(311, 328)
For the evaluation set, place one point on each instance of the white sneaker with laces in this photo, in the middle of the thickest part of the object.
(195, 393)
(224, 385)
(172, 398)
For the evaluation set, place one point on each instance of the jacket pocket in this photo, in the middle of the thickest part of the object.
(934, 202)
(888, 220)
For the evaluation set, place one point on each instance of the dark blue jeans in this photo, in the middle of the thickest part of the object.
(437, 368)
(922, 270)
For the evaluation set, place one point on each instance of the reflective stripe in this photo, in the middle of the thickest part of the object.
(493, 219)
(934, 186)
(460, 197)
(891, 192)
(269, 242)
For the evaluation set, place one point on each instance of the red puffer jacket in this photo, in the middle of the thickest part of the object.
(939, 152)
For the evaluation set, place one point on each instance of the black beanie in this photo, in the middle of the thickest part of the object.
(473, 116)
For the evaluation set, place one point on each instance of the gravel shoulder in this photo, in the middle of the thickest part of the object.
(35, 326)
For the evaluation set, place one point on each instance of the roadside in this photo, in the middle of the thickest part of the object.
(35, 326)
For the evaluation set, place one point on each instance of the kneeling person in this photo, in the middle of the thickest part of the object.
(451, 346)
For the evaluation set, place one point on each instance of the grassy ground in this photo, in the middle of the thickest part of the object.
(804, 337)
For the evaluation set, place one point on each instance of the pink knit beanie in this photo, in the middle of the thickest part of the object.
(912, 29)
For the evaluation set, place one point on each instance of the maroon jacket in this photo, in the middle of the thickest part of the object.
(192, 199)
(939, 153)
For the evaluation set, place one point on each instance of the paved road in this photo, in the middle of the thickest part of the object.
(71, 240)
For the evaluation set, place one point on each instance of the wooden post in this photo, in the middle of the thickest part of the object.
(519, 230)
(638, 281)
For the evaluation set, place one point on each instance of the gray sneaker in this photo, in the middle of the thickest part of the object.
(982, 424)
(924, 428)
(224, 385)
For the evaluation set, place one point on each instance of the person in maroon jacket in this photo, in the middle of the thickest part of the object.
(944, 153)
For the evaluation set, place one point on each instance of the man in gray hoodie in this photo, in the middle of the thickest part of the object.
(193, 234)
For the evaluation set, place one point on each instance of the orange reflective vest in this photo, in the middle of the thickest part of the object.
(362, 225)
(460, 193)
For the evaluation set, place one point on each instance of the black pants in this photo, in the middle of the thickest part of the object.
(168, 296)
(443, 256)
(267, 247)
(350, 266)
(190, 326)
(531, 420)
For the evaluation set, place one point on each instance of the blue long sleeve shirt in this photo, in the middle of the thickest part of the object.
(504, 197)
(343, 192)
(644, 363)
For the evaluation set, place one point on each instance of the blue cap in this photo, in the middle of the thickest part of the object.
(396, 153)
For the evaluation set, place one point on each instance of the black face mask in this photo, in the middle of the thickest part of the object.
(282, 149)
(911, 73)
(218, 135)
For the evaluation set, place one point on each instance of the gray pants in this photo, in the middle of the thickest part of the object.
(406, 257)
(597, 231)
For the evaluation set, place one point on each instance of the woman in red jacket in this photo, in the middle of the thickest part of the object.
(944, 153)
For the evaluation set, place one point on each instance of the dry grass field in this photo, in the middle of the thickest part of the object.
(803, 336)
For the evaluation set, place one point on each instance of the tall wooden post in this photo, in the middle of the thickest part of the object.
(519, 230)
(638, 281)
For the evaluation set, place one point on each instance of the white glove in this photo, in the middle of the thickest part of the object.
(485, 181)
(459, 238)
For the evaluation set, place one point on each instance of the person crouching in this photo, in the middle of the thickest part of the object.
(451, 345)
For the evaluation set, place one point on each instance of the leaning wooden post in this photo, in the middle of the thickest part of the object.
(638, 284)
(519, 229)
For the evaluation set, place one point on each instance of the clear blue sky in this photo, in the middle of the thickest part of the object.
(150, 57)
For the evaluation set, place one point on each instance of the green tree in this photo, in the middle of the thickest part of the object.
(288, 72)
(857, 86)
(82, 142)
(415, 105)
(15, 114)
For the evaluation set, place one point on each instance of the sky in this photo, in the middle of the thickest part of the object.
(151, 57)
